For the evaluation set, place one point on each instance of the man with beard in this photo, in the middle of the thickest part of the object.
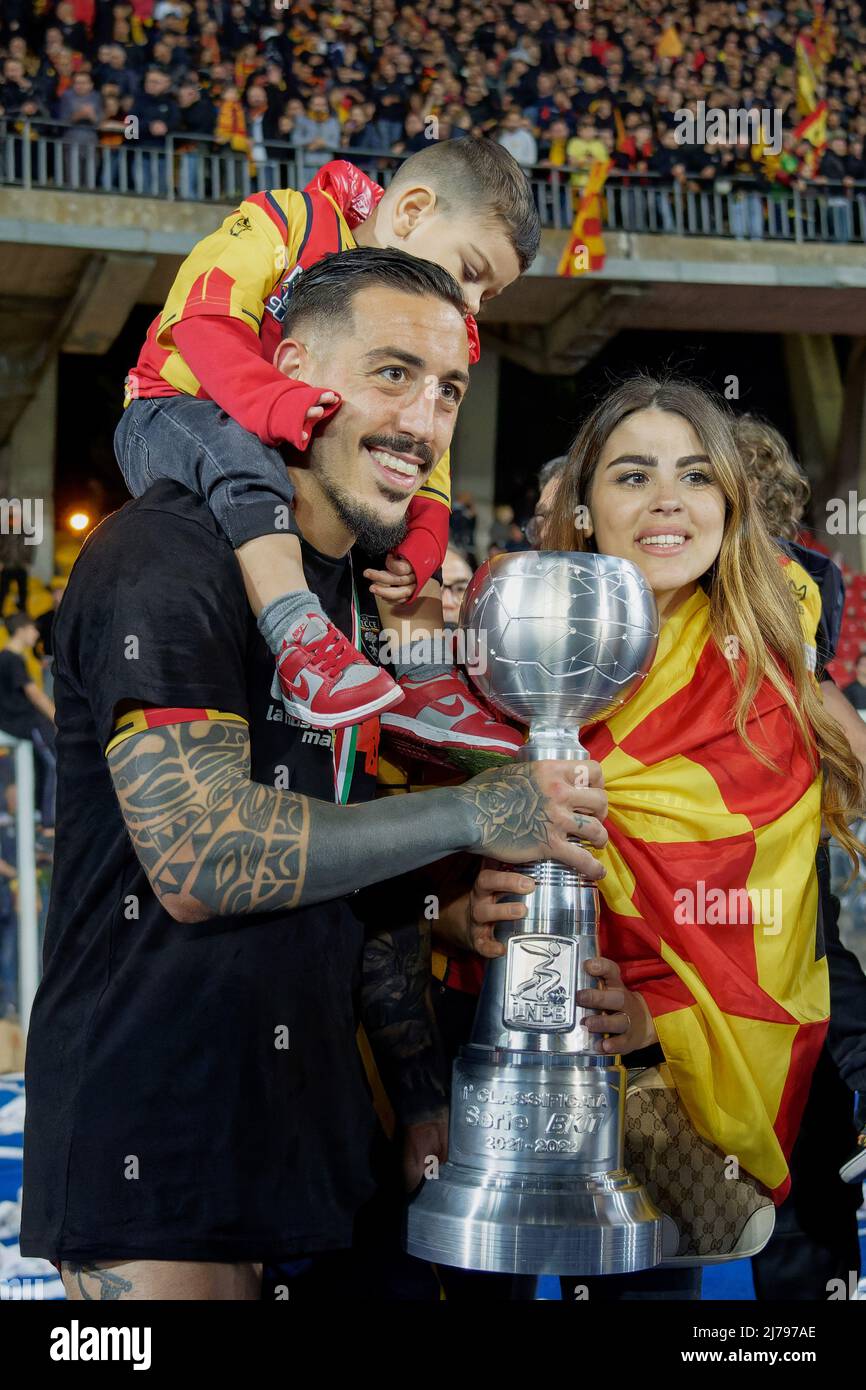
(196, 1100)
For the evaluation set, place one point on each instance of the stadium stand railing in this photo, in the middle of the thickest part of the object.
(198, 169)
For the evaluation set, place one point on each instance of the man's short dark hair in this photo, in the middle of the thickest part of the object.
(475, 175)
(16, 621)
(324, 293)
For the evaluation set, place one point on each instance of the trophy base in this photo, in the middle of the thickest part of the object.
(531, 1225)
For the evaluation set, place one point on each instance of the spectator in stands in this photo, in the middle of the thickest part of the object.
(81, 108)
(463, 521)
(585, 149)
(263, 127)
(26, 711)
(515, 135)
(415, 135)
(44, 648)
(553, 157)
(482, 107)
(155, 109)
(390, 93)
(115, 67)
(19, 50)
(500, 528)
(833, 171)
(19, 97)
(317, 133)
(855, 693)
(112, 131)
(456, 574)
(196, 113)
(543, 109)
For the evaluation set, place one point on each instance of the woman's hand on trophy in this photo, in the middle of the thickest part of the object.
(624, 1013)
(539, 810)
(485, 908)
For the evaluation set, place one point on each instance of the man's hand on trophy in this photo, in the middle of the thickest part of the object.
(421, 1142)
(624, 1013)
(524, 811)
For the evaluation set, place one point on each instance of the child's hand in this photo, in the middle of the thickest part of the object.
(315, 412)
(396, 583)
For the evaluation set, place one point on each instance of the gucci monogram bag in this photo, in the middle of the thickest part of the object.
(710, 1216)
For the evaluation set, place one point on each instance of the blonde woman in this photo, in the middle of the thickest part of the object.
(717, 773)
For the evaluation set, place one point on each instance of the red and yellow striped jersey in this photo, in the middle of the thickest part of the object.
(242, 275)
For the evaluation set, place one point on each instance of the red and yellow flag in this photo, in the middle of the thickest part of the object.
(814, 129)
(585, 249)
(807, 91)
(710, 899)
(814, 126)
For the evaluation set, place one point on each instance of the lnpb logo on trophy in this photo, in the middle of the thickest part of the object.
(540, 981)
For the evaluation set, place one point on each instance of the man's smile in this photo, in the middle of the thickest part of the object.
(400, 471)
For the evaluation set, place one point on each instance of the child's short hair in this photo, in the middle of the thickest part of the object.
(480, 176)
(16, 621)
(326, 290)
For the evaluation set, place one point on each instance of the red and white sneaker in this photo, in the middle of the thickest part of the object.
(441, 720)
(325, 682)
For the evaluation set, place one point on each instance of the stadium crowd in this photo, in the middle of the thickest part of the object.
(561, 85)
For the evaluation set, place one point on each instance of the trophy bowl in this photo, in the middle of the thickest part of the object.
(563, 635)
(535, 1181)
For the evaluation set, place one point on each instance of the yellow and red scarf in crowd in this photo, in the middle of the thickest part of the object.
(710, 900)
(231, 126)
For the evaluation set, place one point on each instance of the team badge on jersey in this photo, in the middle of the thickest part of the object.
(278, 301)
(371, 630)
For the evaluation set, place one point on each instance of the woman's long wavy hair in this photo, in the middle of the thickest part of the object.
(749, 596)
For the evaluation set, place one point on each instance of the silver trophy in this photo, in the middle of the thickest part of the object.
(534, 1182)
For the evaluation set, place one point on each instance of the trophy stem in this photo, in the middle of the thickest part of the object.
(535, 1181)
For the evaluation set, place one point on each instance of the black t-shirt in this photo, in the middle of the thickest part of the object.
(155, 1041)
(855, 694)
(17, 715)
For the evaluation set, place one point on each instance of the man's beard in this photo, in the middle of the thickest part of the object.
(372, 534)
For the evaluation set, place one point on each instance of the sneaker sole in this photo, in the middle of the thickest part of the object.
(855, 1169)
(400, 724)
(357, 716)
(467, 761)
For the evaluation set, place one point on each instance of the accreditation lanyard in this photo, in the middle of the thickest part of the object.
(345, 741)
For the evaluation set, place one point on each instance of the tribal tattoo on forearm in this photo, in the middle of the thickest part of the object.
(201, 829)
(508, 808)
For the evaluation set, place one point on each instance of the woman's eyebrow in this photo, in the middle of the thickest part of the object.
(650, 461)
